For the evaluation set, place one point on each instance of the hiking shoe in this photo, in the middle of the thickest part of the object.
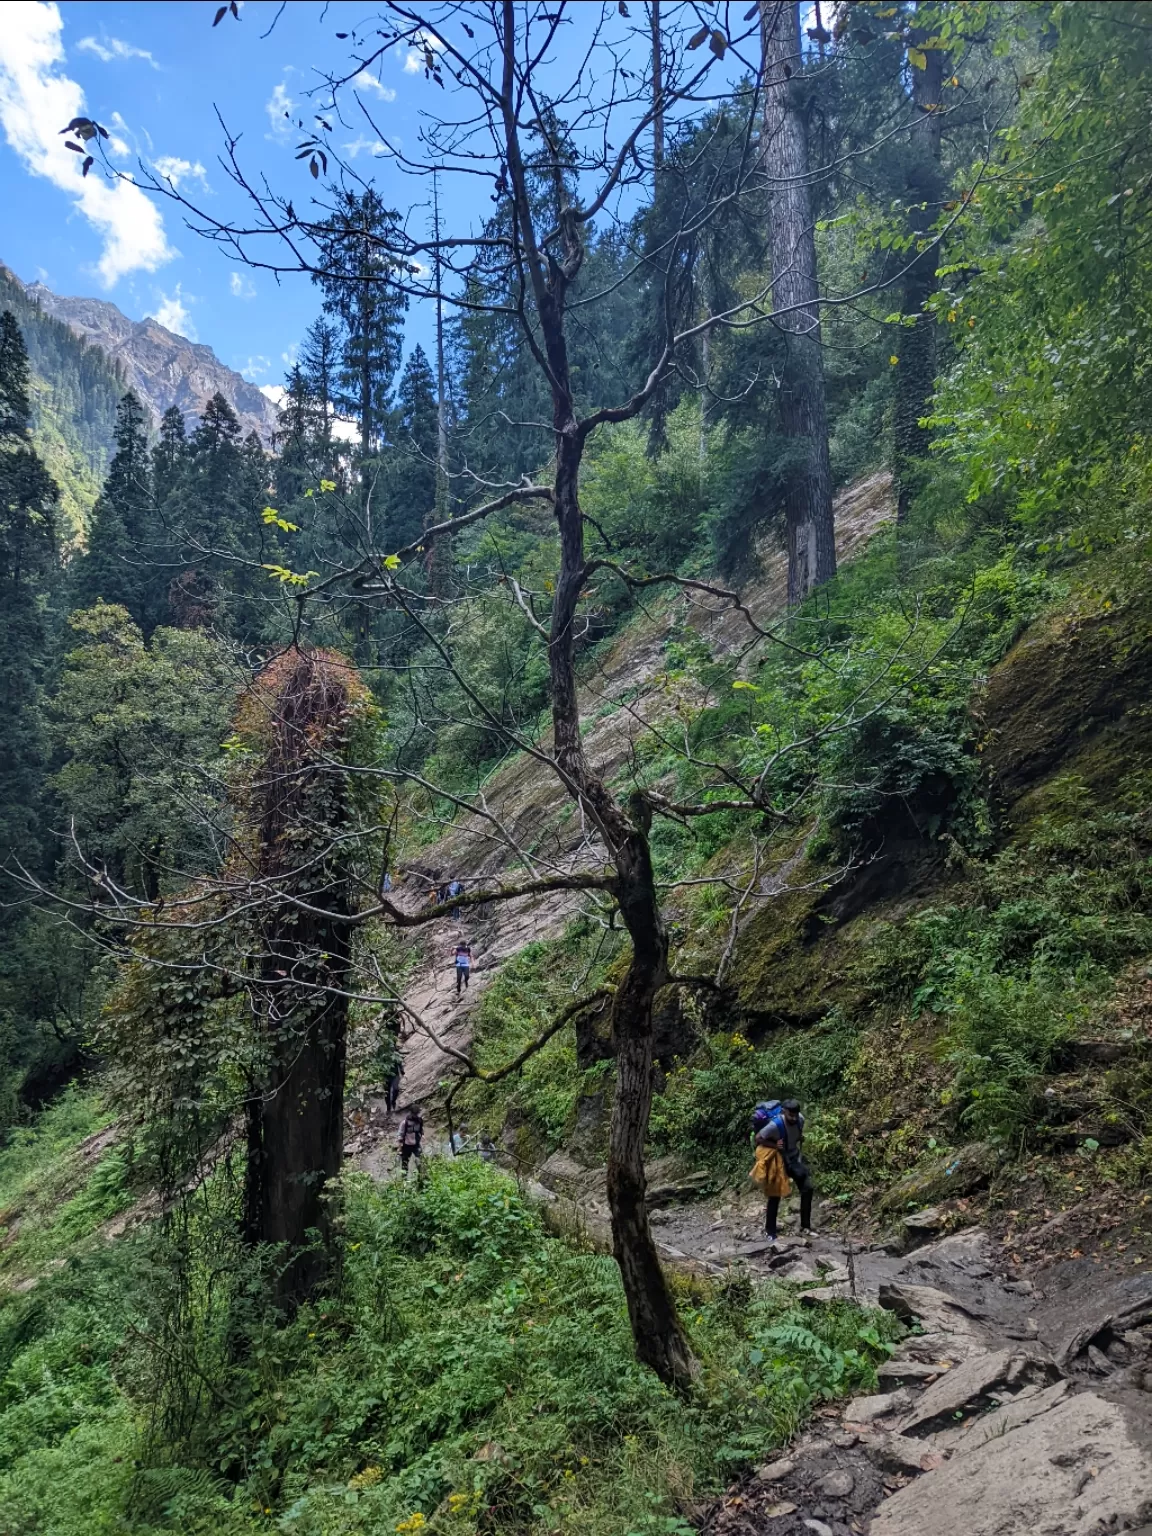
(809, 1232)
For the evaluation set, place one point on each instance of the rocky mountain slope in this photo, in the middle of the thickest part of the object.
(164, 369)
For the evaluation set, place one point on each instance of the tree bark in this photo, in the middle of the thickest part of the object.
(916, 369)
(795, 294)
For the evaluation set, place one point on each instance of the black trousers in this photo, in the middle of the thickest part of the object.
(803, 1183)
(406, 1156)
(461, 978)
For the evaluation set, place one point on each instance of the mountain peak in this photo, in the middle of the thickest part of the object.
(163, 368)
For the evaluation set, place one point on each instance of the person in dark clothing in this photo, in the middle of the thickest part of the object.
(463, 962)
(392, 1089)
(410, 1138)
(790, 1124)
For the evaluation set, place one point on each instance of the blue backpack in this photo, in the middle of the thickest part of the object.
(767, 1110)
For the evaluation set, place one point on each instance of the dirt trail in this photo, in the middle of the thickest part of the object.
(528, 813)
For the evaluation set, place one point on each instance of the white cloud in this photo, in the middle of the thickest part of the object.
(361, 146)
(110, 48)
(254, 366)
(172, 168)
(36, 100)
(289, 356)
(368, 82)
(279, 108)
(241, 287)
(173, 313)
(275, 392)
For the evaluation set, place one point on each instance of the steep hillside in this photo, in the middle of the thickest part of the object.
(75, 391)
(164, 369)
(957, 973)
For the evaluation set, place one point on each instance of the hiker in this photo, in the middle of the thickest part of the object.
(410, 1138)
(789, 1123)
(463, 962)
(487, 1148)
(769, 1173)
(455, 888)
(392, 1088)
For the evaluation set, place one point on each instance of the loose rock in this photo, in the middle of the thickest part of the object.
(836, 1485)
(775, 1470)
(862, 1410)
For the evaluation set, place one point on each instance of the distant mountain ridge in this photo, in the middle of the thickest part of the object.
(164, 369)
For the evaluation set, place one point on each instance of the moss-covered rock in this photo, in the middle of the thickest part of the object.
(944, 1178)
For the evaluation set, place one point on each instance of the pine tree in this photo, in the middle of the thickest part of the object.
(169, 453)
(413, 481)
(120, 566)
(361, 294)
(28, 566)
(319, 364)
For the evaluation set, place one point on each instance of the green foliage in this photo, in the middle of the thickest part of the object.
(138, 728)
(1027, 959)
(467, 1368)
(707, 1101)
(541, 981)
(1047, 291)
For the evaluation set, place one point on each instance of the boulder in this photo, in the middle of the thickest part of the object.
(1026, 1405)
(944, 1319)
(774, 1471)
(588, 1143)
(1077, 1470)
(899, 1453)
(973, 1379)
(942, 1178)
(863, 1410)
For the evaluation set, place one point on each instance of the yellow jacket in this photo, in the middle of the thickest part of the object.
(769, 1173)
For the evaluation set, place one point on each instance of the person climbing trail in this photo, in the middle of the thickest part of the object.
(463, 962)
(769, 1173)
(392, 1088)
(455, 889)
(410, 1138)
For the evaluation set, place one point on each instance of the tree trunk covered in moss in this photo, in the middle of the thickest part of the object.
(295, 1110)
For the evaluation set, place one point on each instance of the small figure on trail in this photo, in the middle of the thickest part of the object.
(487, 1148)
(462, 959)
(769, 1173)
(392, 1089)
(455, 888)
(410, 1137)
(386, 883)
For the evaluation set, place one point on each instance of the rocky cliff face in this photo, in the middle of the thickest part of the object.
(164, 369)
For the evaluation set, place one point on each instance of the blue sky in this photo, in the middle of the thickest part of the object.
(154, 74)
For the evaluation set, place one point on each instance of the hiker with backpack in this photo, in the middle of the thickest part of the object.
(788, 1123)
(410, 1138)
(462, 959)
(769, 1173)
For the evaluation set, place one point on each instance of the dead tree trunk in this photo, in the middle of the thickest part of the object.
(916, 368)
(795, 294)
(295, 1110)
